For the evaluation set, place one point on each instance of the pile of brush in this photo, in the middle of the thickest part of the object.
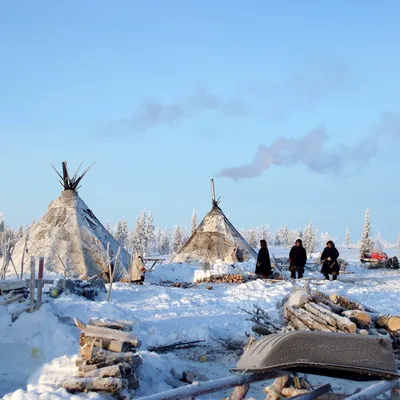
(108, 359)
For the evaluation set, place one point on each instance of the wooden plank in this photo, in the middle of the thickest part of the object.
(23, 254)
(32, 285)
(44, 281)
(120, 325)
(6, 286)
(11, 299)
(40, 282)
(106, 333)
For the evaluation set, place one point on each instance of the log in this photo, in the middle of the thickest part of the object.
(239, 392)
(275, 390)
(110, 385)
(94, 355)
(319, 297)
(113, 371)
(349, 304)
(298, 325)
(357, 316)
(393, 324)
(125, 326)
(291, 391)
(311, 307)
(115, 346)
(322, 322)
(342, 323)
(86, 367)
(106, 333)
(363, 332)
(305, 317)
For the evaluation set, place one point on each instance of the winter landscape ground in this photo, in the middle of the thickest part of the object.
(38, 350)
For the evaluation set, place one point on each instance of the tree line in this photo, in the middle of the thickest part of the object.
(147, 239)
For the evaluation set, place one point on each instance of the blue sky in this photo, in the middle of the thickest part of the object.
(166, 94)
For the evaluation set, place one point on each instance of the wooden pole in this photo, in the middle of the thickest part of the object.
(23, 254)
(32, 285)
(40, 282)
(373, 391)
(112, 273)
(212, 190)
(190, 391)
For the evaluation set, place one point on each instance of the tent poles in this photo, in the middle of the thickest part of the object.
(212, 191)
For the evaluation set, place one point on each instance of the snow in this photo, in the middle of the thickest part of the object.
(38, 350)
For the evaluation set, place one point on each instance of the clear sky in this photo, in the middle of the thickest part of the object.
(168, 94)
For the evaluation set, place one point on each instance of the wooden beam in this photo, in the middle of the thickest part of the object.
(40, 282)
(32, 285)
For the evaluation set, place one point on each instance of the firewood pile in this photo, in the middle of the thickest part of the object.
(226, 278)
(108, 359)
(13, 291)
(304, 309)
(233, 278)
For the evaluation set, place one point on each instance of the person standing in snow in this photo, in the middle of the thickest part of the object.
(138, 270)
(263, 266)
(297, 260)
(329, 259)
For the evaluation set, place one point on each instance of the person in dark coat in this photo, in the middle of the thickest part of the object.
(329, 259)
(263, 266)
(297, 260)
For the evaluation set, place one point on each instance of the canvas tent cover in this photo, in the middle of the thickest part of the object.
(215, 239)
(71, 231)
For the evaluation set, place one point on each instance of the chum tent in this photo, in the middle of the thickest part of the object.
(215, 239)
(71, 239)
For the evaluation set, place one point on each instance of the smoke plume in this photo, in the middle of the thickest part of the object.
(313, 152)
(151, 114)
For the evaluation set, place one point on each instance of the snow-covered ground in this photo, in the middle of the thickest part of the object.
(38, 350)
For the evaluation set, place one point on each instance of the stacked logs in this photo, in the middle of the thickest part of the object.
(108, 359)
(316, 311)
(234, 278)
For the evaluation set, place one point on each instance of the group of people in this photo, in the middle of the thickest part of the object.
(298, 259)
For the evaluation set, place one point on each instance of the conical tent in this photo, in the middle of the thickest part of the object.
(215, 239)
(71, 239)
